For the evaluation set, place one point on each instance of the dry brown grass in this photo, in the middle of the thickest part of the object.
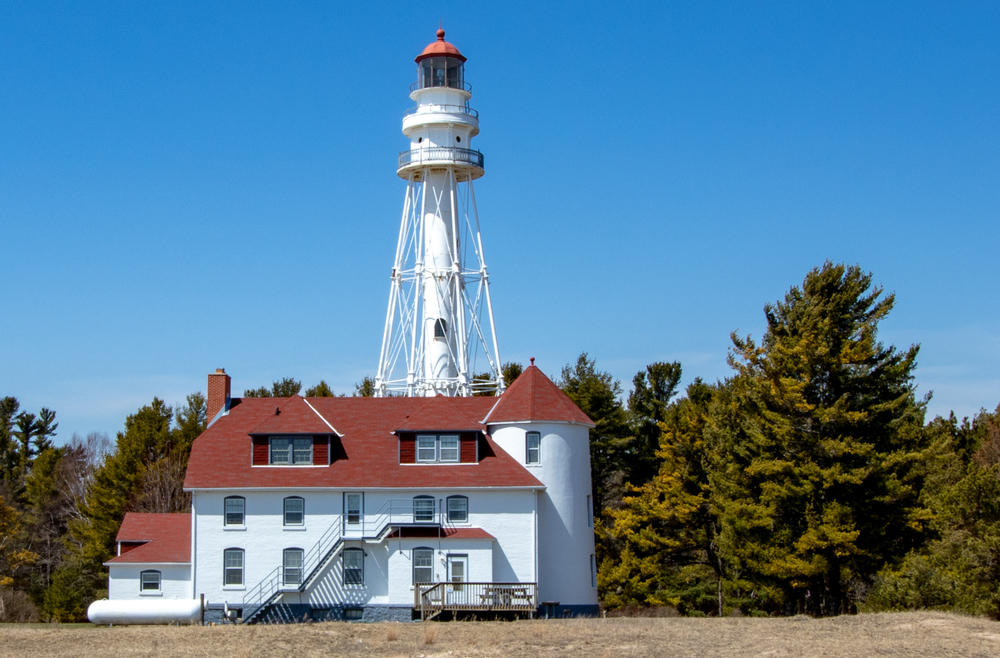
(903, 634)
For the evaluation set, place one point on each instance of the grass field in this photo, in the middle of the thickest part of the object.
(901, 634)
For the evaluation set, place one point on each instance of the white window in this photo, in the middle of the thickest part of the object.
(354, 566)
(292, 564)
(432, 448)
(426, 448)
(352, 505)
(533, 448)
(449, 448)
(458, 509)
(235, 510)
(423, 509)
(285, 450)
(149, 582)
(295, 511)
(423, 565)
(233, 559)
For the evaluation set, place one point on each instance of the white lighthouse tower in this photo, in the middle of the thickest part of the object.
(439, 334)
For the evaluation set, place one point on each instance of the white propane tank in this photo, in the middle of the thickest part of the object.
(183, 611)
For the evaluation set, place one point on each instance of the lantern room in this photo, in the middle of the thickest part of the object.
(440, 65)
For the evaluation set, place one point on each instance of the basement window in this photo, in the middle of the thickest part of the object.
(353, 614)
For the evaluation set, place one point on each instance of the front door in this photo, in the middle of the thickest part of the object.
(458, 573)
(354, 506)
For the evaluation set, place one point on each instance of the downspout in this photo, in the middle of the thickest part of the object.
(194, 542)
(535, 515)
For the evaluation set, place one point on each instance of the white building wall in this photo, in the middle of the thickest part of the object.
(509, 516)
(565, 531)
(263, 537)
(123, 581)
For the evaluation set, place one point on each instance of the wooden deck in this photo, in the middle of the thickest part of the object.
(433, 599)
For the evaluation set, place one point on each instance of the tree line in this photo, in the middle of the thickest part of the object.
(808, 481)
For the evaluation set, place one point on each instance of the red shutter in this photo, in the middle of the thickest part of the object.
(321, 450)
(407, 449)
(260, 451)
(468, 443)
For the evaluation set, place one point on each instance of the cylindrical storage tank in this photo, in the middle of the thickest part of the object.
(183, 611)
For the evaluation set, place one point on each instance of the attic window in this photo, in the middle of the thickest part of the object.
(291, 450)
(433, 448)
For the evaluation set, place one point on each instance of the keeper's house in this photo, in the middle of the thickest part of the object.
(376, 508)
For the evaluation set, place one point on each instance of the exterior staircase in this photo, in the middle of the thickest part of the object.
(263, 603)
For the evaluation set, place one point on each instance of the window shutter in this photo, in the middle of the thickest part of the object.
(260, 451)
(469, 442)
(321, 450)
(407, 449)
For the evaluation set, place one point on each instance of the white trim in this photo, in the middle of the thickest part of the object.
(141, 564)
(332, 428)
(526, 422)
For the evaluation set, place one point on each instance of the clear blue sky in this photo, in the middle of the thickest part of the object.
(192, 185)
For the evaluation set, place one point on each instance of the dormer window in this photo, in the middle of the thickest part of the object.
(437, 448)
(291, 450)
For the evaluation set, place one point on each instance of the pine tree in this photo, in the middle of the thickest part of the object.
(598, 394)
(820, 438)
(664, 534)
(652, 390)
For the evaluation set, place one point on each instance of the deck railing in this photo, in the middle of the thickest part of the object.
(433, 599)
(450, 154)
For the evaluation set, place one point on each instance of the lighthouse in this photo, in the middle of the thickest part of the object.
(439, 335)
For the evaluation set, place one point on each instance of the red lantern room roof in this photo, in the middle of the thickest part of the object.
(440, 48)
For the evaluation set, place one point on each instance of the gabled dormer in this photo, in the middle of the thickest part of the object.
(294, 435)
(436, 434)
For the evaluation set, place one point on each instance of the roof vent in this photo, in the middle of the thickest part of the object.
(277, 410)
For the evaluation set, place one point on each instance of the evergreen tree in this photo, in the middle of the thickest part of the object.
(190, 421)
(283, 388)
(819, 440)
(598, 394)
(9, 407)
(320, 390)
(960, 568)
(25, 430)
(663, 538)
(511, 371)
(147, 439)
(652, 391)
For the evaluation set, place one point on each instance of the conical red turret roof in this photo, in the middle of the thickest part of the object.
(533, 397)
(440, 48)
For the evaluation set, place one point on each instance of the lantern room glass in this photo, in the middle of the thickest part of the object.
(441, 72)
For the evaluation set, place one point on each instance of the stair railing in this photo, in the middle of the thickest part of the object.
(393, 512)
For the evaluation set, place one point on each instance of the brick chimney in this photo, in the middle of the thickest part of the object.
(218, 392)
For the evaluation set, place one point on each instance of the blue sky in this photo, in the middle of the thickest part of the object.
(190, 185)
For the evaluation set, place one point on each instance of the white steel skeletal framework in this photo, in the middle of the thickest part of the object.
(439, 322)
(439, 333)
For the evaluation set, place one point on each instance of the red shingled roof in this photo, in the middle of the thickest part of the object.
(368, 454)
(533, 396)
(167, 537)
(440, 48)
(292, 416)
(443, 533)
